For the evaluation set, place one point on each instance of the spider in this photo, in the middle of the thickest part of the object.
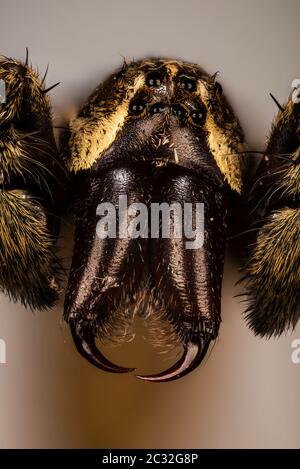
(158, 131)
(155, 132)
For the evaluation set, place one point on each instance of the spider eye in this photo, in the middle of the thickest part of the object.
(137, 107)
(188, 84)
(156, 108)
(153, 79)
(179, 111)
(198, 116)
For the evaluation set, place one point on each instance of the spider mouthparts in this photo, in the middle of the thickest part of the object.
(84, 341)
(194, 352)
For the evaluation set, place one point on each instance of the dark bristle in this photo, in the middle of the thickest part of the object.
(276, 102)
(27, 57)
(51, 87)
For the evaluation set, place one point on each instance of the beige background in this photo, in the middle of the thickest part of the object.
(247, 394)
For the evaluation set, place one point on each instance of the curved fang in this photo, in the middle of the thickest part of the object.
(194, 352)
(86, 346)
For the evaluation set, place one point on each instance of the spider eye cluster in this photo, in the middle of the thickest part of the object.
(195, 115)
(179, 111)
(153, 79)
(157, 108)
(198, 116)
(187, 83)
(174, 95)
(137, 107)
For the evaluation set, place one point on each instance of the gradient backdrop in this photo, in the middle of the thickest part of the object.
(247, 394)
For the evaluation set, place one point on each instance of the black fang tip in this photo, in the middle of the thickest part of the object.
(84, 341)
(194, 352)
